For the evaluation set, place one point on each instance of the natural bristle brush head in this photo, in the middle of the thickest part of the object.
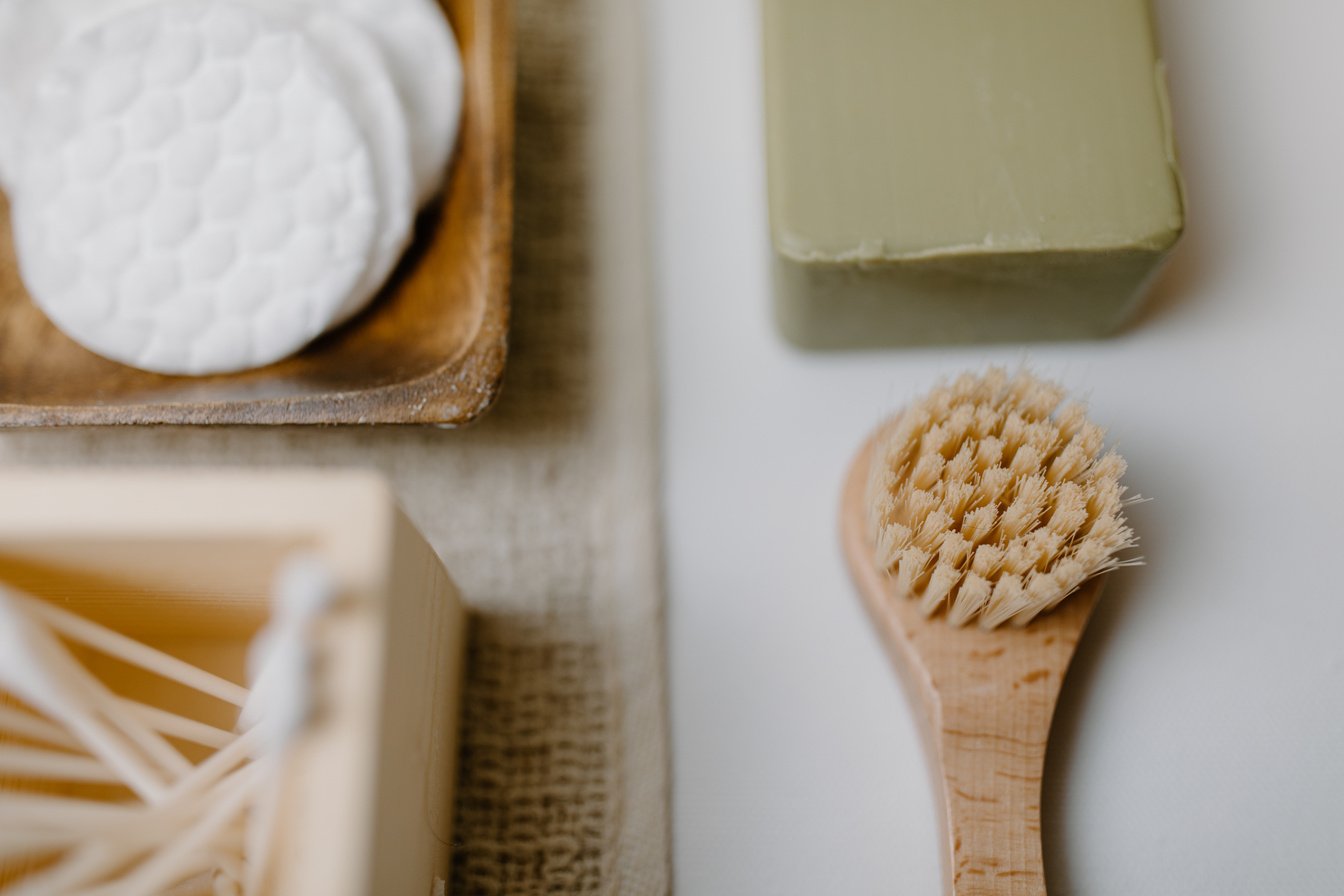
(991, 499)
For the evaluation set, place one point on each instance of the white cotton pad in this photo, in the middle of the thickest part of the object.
(426, 66)
(362, 71)
(362, 74)
(28, 32)
(193, 196)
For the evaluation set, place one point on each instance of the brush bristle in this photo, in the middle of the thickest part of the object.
(992, 503)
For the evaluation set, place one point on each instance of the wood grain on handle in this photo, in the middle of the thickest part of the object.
(988, 699)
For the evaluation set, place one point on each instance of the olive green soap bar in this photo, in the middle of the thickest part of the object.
(965, 170)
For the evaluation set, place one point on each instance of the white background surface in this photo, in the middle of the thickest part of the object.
(1200, 744)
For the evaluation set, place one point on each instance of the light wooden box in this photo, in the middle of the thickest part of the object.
(185, 561)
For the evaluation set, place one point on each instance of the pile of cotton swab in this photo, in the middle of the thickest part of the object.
(203, 828)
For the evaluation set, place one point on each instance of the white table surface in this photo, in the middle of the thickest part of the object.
(1200, 744)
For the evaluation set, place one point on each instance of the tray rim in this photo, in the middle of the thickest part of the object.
(456, 394)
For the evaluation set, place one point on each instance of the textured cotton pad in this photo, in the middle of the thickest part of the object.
(27, 33)
(426, 67)
(193, 196)
(30, 32)
(359, 65)
(362, 74)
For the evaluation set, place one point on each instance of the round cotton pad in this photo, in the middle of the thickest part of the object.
(413, 35)
(361, 72)
(30, 32)
(193, 197)
(27, 33)
(426, 66)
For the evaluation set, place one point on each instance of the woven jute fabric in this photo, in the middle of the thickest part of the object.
(545, 512)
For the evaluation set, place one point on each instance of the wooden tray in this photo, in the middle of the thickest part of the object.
(185, 561)
(430, 350)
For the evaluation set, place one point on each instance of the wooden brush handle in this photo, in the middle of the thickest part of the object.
(991, 751)
(990, 698)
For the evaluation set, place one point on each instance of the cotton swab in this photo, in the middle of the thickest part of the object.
(28, 842)
(215, 768)
(280, 663)
(17, 844)
(190, 793)
(23, 816)
(173, 725)
(195, 805)
(201, 884)
(260, 834)
(31, 667)
(174, 862)
(82, 688)
(280, 659)
(88, 692)
(37, 669)
(276, 710)
(138, 732)
(39, 811)
(89, 860)
(109, 837)
(34, 812)
(26, 815)
(280, 699)
(17, 723)
(47, 765)
(133, 652)
(228, 877)
(59, 662)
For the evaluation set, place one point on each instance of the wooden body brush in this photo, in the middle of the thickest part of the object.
(966, 522)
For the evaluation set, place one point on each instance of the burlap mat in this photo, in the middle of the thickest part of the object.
(545, 513)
